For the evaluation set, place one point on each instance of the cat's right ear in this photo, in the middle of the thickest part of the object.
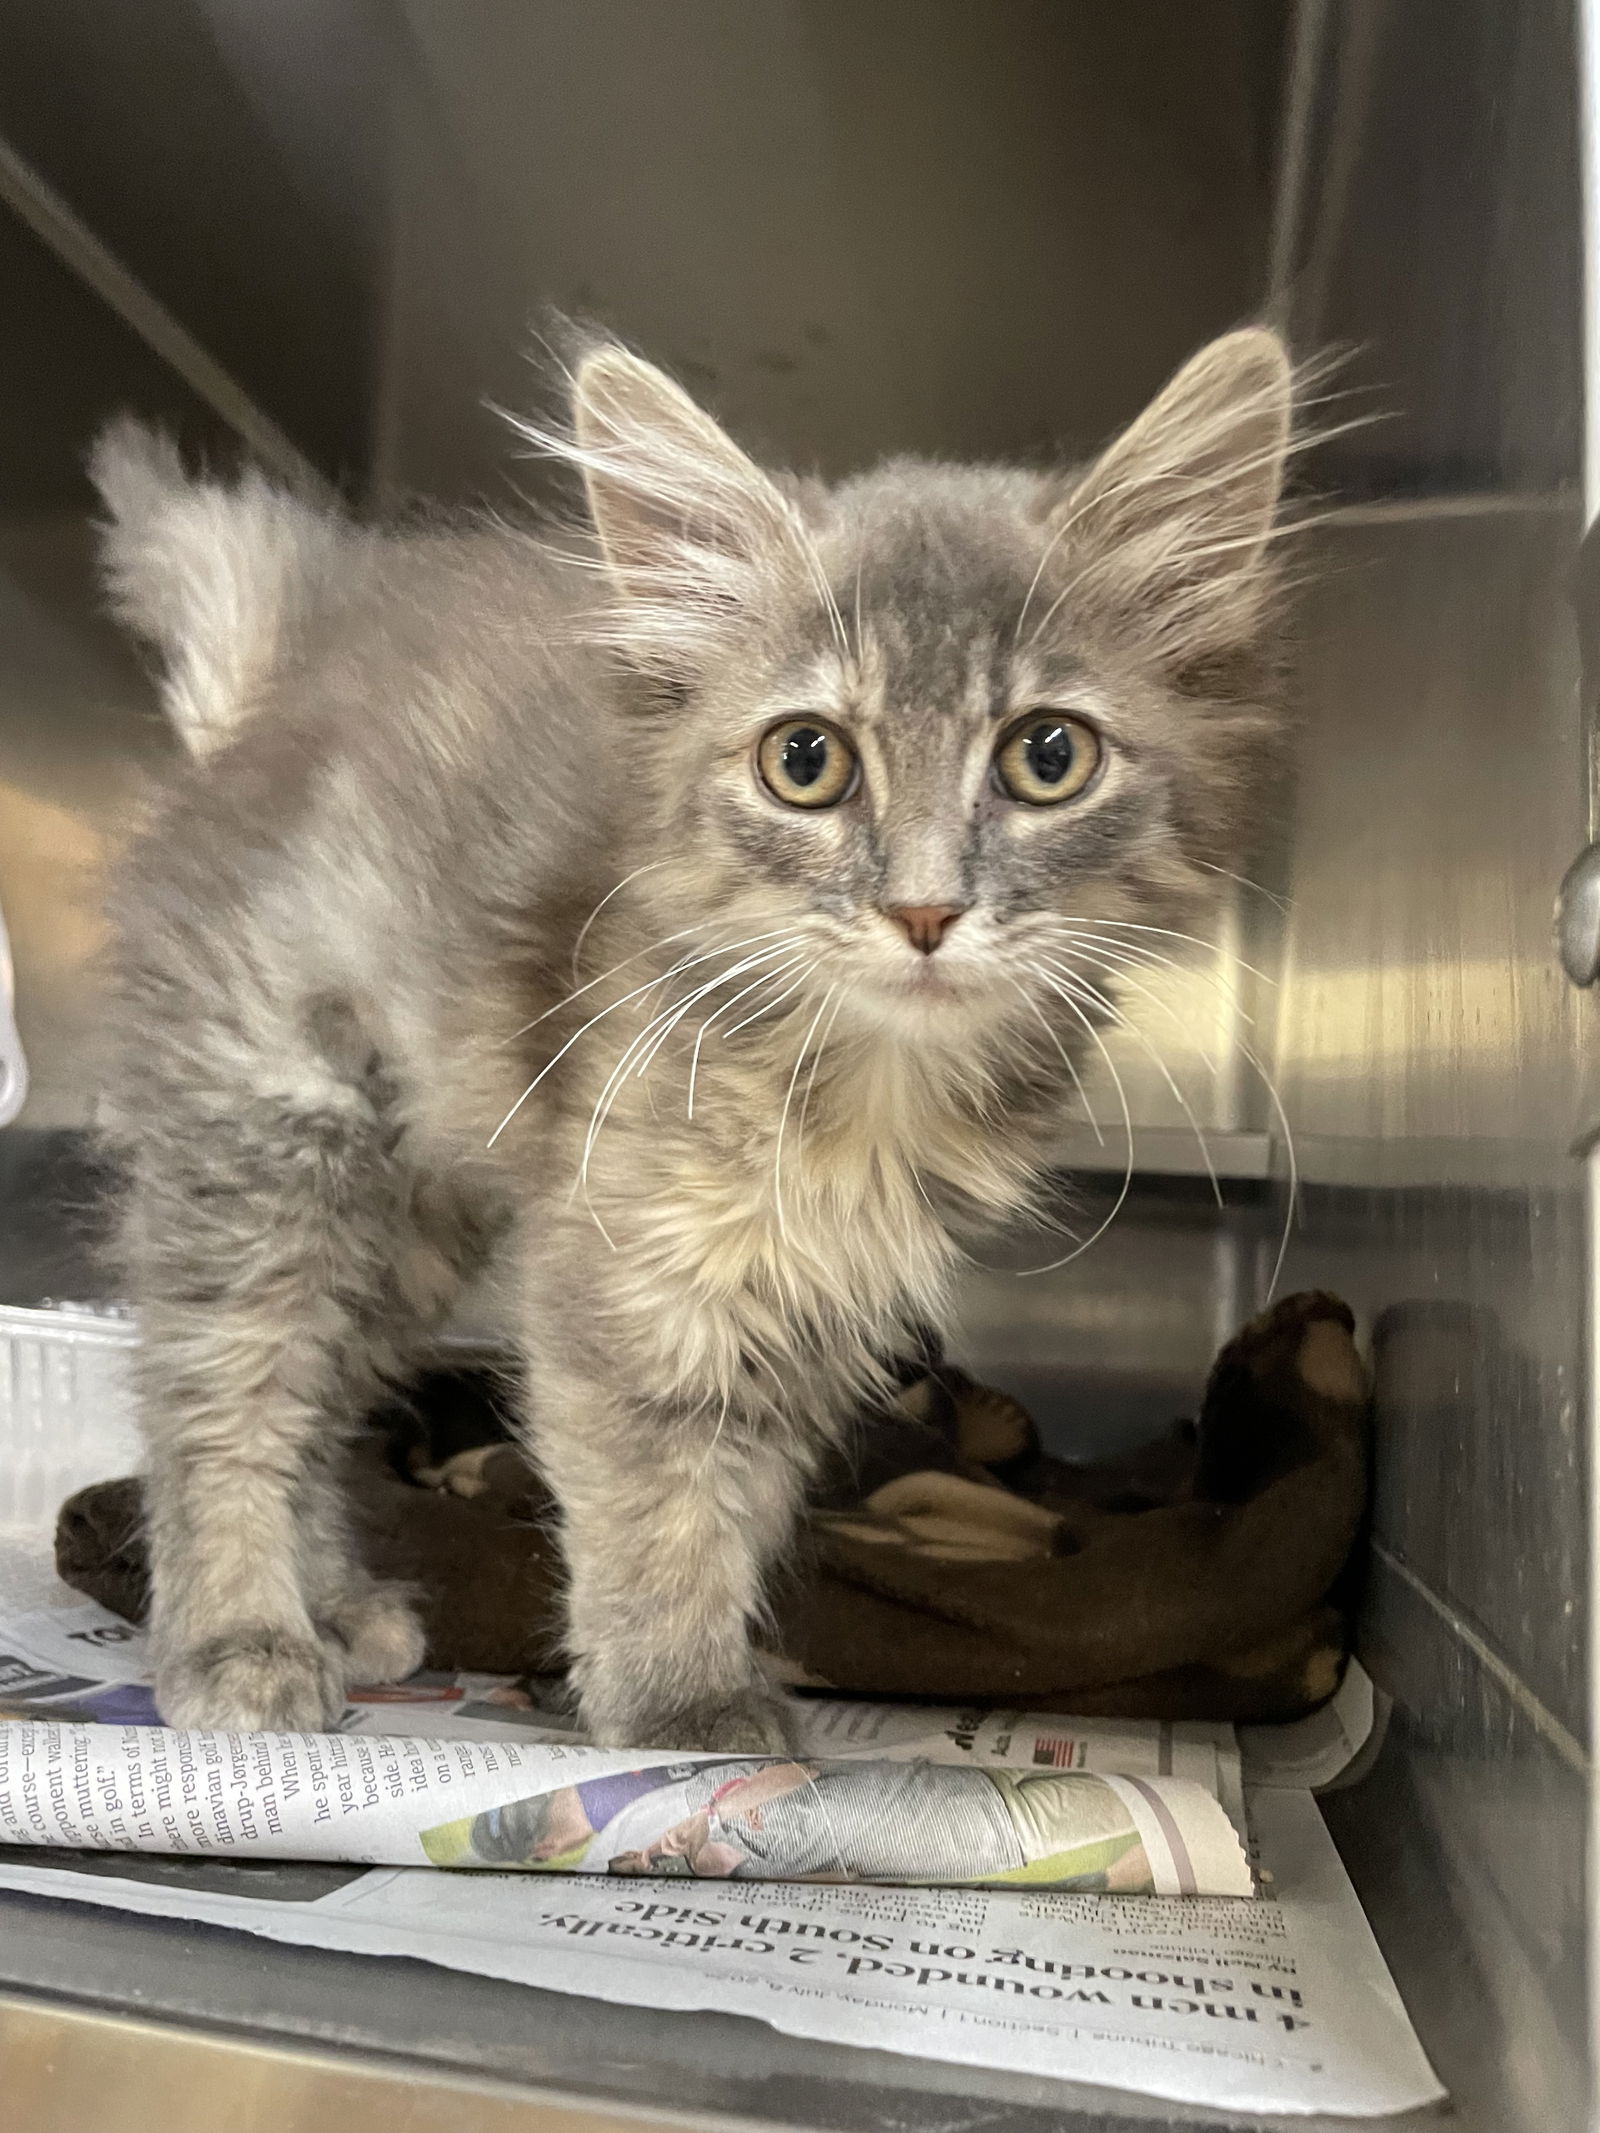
(693, 534)
(1172, 525)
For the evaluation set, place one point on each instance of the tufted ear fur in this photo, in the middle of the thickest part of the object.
(693, 533)
(1170, 528)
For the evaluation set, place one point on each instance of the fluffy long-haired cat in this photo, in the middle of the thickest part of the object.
(684, 928)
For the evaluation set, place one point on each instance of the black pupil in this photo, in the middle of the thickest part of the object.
(805, 756)
(1050, 753)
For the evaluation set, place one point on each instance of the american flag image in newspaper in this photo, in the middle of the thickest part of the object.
(1059, 1751)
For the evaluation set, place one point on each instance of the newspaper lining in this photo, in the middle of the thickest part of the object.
(1277, 2004)
(1280, 2003)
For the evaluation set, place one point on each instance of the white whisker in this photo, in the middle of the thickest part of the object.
(1292, 1210)
(1127, 925)
(567, 999)
(678, 1010)
(557, 1057)
(1125, 976)
(684, 963)
(1278, 903)
(768, 977)
(1127, 1123)
(657, 1029)
(788, 1099)
(1066, 1058)
(665, 941)
(1253, 1060)
(1100, 1000)
(605, 1100)
(767, 1007)
(816, 1061)
(1133, 955)
(615, 890)
(1122, 969)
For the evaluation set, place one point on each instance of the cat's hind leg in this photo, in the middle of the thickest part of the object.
(434, 1241)
(260, 1249)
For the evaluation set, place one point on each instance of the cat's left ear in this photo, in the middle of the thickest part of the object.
(1172, 524)
(693, 533)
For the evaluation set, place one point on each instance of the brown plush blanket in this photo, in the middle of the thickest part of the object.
(1206, 1576)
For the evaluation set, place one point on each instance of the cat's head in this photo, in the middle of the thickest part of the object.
(907, 733)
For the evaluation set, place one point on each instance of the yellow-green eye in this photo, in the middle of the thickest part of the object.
(805, 763)
(1051, 756)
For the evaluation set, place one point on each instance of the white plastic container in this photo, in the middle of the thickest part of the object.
(66, 1410)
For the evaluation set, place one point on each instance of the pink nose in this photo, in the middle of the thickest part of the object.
(924, 925)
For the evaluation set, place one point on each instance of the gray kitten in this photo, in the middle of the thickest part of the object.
(686, 939)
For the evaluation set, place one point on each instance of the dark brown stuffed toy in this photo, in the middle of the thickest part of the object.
(1205, 1576)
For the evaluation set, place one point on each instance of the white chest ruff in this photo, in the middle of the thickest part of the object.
(790, 1249)
(805, 1277)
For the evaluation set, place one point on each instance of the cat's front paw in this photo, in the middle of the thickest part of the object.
(753, 1721)
(759, 1722)
(252, 1679)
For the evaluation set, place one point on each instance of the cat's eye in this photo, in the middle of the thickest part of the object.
(1050, 756)
(805, 763)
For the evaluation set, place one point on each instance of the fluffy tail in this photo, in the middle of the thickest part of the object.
(219, 579)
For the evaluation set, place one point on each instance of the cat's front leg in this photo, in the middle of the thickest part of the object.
(671, 1518)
